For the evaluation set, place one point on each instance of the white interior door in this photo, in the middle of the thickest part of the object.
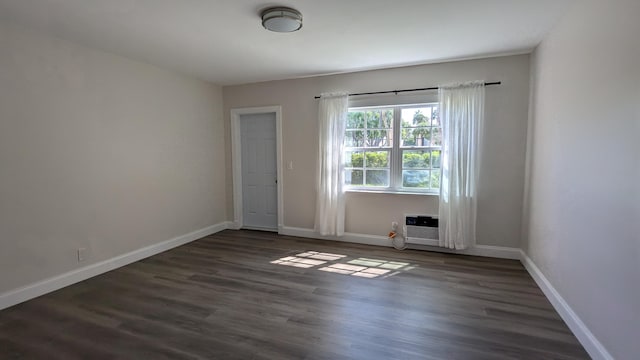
(259, 171)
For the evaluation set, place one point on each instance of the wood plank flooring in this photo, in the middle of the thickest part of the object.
(257, 295)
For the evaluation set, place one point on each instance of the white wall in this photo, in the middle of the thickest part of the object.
(502, 179)
(582, 210)
(100, 152)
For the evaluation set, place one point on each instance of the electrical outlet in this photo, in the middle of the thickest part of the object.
(290, 165)
(82, 254)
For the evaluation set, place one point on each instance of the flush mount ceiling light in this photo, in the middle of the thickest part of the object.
(281, 19)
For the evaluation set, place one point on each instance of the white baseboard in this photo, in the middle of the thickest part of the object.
(590, 343)
(500, 252)
(348, 237)
(478, 250)
(31, 291)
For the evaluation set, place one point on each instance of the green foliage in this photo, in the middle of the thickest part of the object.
(355, 159)
(379, 159)
(435, 179)
(435, 161)
(416, 159)
(420, 119)
(355, 120)
(421, 130)
(375, 159)
(379, 121)
(421, 159)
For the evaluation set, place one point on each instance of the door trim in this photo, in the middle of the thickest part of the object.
(236, 159)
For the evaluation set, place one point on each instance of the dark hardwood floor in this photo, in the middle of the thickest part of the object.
(256, 295)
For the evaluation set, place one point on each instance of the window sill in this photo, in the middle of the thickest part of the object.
(392, 192)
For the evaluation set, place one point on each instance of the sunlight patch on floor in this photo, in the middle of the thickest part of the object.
(298, 262)
(320, 256)
(339, 264)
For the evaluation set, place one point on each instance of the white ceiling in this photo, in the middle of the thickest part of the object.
(223, 40)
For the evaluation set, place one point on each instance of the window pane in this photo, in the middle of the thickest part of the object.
(423, 136)
(416, 159)
(353, 159)
(353, 177)
(354, 138)
(415, 178)
(417, 116)
(377, 177)
(435, 120)
(435, 158)
(355, 120)
(378, 138)
(435, 179)
(377, 159)
(436, 136)
(419, 127)
(406, 135)
(417, 136)
(386, 121)
(373, 118)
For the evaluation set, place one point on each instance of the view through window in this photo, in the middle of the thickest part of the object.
(394, 148)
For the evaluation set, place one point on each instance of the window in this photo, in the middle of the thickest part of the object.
(393, 148)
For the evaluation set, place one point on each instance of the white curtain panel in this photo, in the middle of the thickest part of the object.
(332, 119)
(462, 114)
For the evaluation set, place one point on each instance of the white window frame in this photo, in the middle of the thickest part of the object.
(395, 155)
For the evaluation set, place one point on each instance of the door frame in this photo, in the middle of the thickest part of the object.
(236, 159)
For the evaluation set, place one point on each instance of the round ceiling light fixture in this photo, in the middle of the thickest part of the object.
(281, 19)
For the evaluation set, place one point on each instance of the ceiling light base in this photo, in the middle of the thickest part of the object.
(281, 19)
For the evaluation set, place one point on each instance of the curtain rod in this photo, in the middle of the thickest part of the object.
(408, 90)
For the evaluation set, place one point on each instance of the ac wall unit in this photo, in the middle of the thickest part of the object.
(421, 229)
